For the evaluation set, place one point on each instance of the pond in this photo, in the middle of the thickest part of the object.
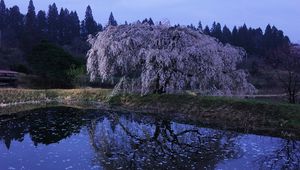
(68, 138)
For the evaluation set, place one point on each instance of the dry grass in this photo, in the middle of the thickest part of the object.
(11, 96)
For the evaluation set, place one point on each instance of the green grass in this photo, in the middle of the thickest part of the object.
(176, 101)
(233, 113)
(220, 111)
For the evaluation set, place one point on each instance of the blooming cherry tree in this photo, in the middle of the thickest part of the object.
(163, 59)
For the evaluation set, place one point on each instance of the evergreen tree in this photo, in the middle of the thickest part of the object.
(30, 27)
(63, 26)
(267, 40)
(234, 36)
(69, 26)
(243, 38)
(41, 24)
(192, 27)
(15, 19)
(206, 30)
(199, 26)
(257, 40)
(89, 25)
(100, 27)
(3, 15)
(150, 21)
(15, 26)
(77, 46)
(274, 38)
(226, 35)
(279, 38)
(216, 30)
(287, 40)
(53, 23)
(82, 29)
(251, 40)
(176, 25)
(30, 19)
(145, 21)
(111, 20)
(75, 24)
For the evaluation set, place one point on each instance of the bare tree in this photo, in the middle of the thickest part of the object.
(286, 63)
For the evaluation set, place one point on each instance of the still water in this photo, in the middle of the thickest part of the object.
(68, 138)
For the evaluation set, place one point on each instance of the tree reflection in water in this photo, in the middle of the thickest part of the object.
(285, 156)
(136, 141)
(153, 144)
(44, 126)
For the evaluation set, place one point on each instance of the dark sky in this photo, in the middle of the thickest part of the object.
(284, 14)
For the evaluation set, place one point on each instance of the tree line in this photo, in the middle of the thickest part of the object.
(59, 27)
(64, 26)
(254, 40)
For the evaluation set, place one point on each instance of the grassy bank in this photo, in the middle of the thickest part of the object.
(235, 114)
(13, 96)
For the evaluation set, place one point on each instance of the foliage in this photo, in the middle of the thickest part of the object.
(41, 22)
(78, 74)
(51, 63)
(26, 31)
(111, 20)
(21, 68)
(11, 58)
(21, 32)
(89, 25)
(254, 41)
(149, 21)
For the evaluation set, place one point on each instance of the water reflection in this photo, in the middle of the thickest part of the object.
(152, 144)
(285, 156)
(134, 141)
(45, 126)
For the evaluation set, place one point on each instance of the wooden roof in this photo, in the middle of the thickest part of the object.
(7, 72)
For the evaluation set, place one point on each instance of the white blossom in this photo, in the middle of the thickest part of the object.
(166, 59)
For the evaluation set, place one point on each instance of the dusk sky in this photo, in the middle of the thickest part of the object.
(284, 14)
